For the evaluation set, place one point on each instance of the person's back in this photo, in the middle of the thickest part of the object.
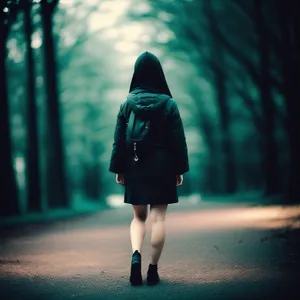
(153, 178)
(161, 161)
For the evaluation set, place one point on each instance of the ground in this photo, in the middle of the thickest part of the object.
(213, 250)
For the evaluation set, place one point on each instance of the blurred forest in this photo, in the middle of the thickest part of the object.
(233, 68)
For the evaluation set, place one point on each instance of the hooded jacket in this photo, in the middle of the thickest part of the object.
(150, 95)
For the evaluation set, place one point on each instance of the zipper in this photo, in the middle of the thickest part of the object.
(134, 149)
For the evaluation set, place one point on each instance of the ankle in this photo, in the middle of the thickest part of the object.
(153, 266)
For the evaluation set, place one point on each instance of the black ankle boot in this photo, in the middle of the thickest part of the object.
(152, 275)
(136, 269)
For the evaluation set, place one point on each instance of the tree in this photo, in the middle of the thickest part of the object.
(57, 192)
(288, 14)
(9, 205)
(261, 75)
(268, 110)
(32, 165)
(218, 67)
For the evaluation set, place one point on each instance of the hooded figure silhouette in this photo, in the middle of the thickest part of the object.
(153, 179)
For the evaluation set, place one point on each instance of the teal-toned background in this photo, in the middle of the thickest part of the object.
(232, 67)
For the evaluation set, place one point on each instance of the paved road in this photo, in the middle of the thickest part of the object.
(212, 251)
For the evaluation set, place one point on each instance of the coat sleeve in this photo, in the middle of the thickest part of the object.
(117, 161)
(177, 141)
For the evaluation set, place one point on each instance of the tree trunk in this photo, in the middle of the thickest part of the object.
(212, 179)
(271, 170)
(212, 182)
(9, 195)
(32, 165)
(226, 143)
(91, 184)
(218, 70)
(57, 192)
(293, 108)
(291, 73)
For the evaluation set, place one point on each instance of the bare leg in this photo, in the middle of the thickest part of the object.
(138, 227)
(157, 216)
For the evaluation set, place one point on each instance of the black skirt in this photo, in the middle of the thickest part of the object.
(142, 191)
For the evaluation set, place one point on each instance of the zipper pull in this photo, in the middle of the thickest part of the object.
(135, 156)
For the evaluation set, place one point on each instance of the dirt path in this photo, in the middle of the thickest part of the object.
(212, 251)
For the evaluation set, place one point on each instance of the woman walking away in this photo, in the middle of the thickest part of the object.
(149, 156)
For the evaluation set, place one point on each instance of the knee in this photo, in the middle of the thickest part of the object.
(157, 217)
(142, 217)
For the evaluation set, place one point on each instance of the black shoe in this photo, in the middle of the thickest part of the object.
(136, 269)
(152, 275)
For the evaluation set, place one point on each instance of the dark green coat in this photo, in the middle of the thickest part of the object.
(170, 155)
